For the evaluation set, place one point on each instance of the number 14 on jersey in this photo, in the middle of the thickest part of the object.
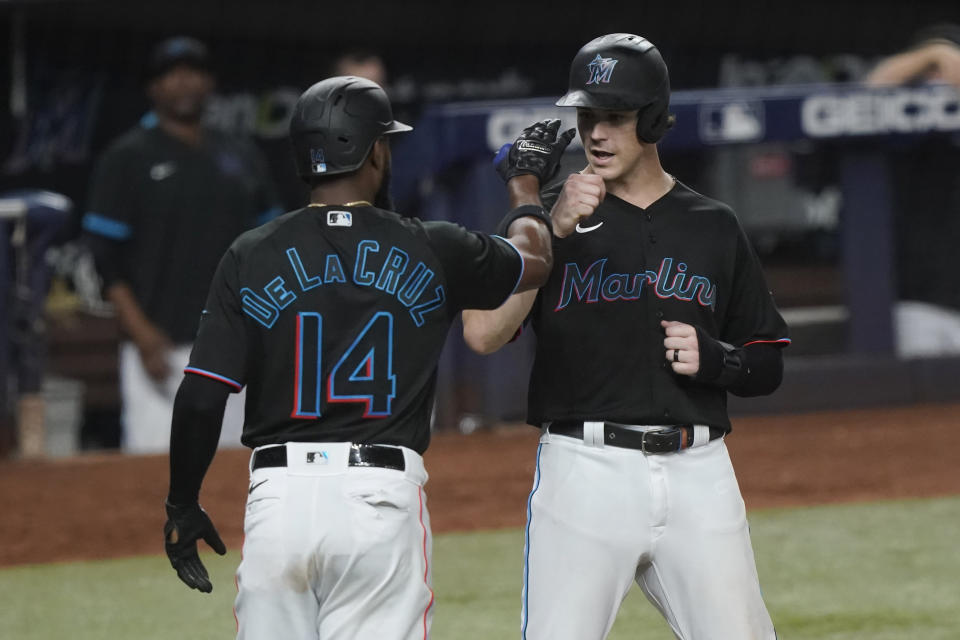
(363, 373)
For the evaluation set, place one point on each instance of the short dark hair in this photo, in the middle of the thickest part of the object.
(176, 51)
(943, 31)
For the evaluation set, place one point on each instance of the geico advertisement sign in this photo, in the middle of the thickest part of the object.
(877, 112)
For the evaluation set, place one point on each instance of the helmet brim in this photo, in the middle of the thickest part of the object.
(582, 98)
(398, 127)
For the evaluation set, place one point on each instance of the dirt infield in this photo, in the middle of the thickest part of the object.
(111, 505)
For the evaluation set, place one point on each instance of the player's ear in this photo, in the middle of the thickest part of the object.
(380, 155)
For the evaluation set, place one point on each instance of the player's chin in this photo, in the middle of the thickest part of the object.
(188, 108)
(607, 171)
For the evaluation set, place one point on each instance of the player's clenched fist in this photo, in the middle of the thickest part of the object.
(582, 193)
(682, 347)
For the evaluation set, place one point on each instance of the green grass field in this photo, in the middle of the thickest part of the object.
(879, 571)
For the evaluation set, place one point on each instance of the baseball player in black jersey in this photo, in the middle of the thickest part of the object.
(333, 318)
(656, 307)
(166, 200)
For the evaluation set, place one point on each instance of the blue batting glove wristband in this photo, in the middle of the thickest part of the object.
(502, 154)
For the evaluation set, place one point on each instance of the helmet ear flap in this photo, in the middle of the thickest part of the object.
(653, 122)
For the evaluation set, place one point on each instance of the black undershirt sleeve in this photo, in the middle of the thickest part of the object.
(764, 371)
(753, 370)
(197, 419)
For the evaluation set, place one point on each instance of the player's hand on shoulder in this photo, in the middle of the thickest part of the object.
(185, 525)
(536, 151)
(582, 193)
(681, 348)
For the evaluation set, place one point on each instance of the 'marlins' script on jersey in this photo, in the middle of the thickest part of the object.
(592, 284)
(410, 286)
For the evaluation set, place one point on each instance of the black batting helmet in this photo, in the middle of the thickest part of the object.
(335, 124)
(622, 71)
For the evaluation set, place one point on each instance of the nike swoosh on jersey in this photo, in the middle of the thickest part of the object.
(162, 171)
(254, 486)
(588, 229)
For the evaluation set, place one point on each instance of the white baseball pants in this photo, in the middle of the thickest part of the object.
(600, 518)
(335, 552)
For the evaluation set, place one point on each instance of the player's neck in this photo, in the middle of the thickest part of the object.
(342, 191)
(189, 133)
(644, 185)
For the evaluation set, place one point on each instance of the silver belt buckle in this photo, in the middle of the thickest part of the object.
(643, 438)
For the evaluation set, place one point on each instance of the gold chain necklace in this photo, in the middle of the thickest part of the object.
(357, 203)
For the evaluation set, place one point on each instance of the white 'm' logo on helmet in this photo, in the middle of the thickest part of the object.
(600, 70)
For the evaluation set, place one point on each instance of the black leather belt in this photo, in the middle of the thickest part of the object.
(659, 440)
(361, 455)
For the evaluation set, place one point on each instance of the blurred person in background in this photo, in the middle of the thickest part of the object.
(926, 179)
(362, 64)
(934, 56)
(166, 200)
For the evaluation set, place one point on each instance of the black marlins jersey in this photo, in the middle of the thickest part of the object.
(173, 209)
(334, 319)
(600, 353)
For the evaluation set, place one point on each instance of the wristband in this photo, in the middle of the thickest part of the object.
(731, 369)
(721, 364)
(524, 210)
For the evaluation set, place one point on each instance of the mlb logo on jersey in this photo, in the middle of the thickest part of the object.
(318, 163)
(339, 219)
(317, 457)
(600, 70)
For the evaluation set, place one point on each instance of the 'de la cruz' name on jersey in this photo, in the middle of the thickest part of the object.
(281, 318)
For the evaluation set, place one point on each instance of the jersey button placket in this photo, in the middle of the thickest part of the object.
(659, 315)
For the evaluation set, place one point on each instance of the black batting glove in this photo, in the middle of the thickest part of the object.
(536, 152)
(185, 525)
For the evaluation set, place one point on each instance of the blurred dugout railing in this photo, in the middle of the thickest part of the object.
(805, 167)
(31, 399)
(13, 220)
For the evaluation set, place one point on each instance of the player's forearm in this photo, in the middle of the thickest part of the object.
(523, 190)
(533, 240)
(133, 321)
(902, 67)
(194, 433)
(487, 331)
